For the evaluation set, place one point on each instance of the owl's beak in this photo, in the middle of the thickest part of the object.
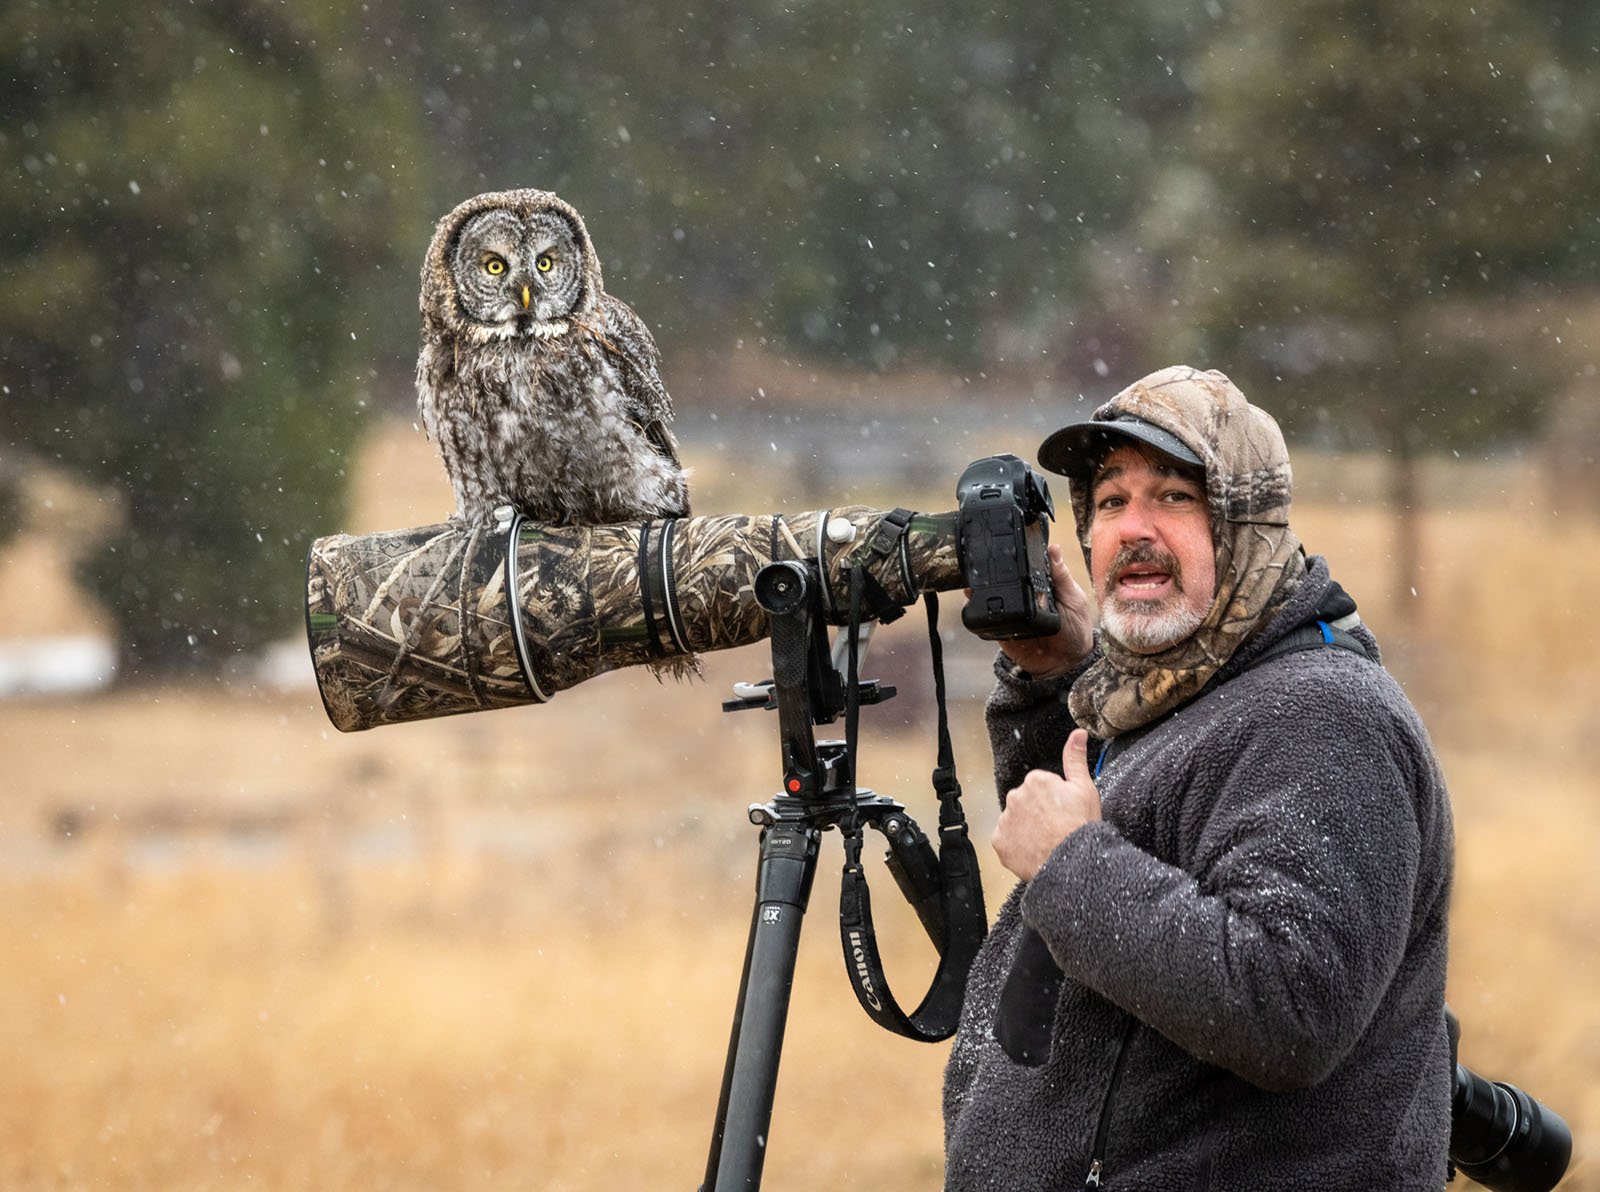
(525, 298)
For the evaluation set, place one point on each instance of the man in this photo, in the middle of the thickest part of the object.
(1224, 965)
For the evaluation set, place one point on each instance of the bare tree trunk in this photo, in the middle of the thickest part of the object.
(1415, 659)
(1405, 502)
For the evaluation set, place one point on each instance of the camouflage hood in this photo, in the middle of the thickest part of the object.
(1258, 557)
(439, 301)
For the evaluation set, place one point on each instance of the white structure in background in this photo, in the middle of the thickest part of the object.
(54, 665)
(285, 666)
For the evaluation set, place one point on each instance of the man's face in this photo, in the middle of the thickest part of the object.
(1151, 559)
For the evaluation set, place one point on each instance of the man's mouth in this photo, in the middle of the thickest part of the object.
(1143, 583)
(1145, 580)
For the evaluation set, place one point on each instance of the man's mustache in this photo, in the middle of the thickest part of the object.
(1144, 553)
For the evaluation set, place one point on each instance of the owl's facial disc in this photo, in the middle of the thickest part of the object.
(556, 256)
(484, 265)
(517, 276)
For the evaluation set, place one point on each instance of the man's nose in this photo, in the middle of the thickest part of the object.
(1137, 523)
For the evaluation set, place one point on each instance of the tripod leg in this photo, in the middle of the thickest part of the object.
(715, 1157)
(750, 1078)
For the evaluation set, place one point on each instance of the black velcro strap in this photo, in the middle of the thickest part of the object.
(651, 592)
(885, 537)
(669, 588)
(883, 543)
(875, 599)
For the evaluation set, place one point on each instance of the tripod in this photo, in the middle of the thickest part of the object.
(791, 832)
(819, 793)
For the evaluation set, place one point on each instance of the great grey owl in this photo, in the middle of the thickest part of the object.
(541, 390)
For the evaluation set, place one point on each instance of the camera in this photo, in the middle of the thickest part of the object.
(451, 618)
(1002, 520)
(1501, 1137)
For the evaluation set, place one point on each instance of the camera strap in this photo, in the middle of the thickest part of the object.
(946, 891)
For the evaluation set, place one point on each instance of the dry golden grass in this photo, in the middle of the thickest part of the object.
(488, 958)
(501, 951)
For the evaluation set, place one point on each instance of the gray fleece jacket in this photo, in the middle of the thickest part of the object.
(1235, 980)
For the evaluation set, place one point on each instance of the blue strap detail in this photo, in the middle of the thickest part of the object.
(1099, 762)
(1327, 632)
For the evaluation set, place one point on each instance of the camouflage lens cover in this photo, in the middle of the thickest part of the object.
(414, 624)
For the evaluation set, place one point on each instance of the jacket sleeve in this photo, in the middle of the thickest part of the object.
(1028, 721)
(1269, 951)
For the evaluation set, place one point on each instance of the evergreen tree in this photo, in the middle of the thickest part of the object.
(1360, 185)
(876, 185)
(196, 224)
(1367, 176)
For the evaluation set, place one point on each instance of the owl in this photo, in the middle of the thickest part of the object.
(541, 390)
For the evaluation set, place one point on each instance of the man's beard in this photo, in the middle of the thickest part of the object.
(1148, 626)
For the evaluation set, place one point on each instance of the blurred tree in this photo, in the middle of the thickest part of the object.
(879, 184)
(1360, 186)
(195, 231)
(963, 202)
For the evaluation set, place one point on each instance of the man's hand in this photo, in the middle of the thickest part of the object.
(1046, 657)
(1045, 810)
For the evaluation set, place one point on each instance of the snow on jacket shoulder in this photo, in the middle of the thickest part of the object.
(1252, 940)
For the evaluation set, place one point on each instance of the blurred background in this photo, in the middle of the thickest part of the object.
(874, 241)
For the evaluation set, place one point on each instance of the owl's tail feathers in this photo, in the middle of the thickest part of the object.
(682, 667)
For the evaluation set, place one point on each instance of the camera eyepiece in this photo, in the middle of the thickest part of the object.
(1504, 1139)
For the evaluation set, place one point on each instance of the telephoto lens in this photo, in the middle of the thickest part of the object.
(1503, 1139)
(460, 617)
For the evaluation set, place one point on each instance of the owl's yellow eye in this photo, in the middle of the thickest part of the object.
(545, 263)
(494, 266)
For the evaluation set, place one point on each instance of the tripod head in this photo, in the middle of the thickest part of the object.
(807, 686)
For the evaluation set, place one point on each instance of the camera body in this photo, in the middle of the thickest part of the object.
(1002, 527)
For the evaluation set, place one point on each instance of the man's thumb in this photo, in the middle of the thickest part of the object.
(1075, 756)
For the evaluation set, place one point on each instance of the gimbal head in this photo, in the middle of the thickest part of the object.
(807, 686)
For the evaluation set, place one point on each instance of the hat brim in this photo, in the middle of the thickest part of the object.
(1075, 450)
